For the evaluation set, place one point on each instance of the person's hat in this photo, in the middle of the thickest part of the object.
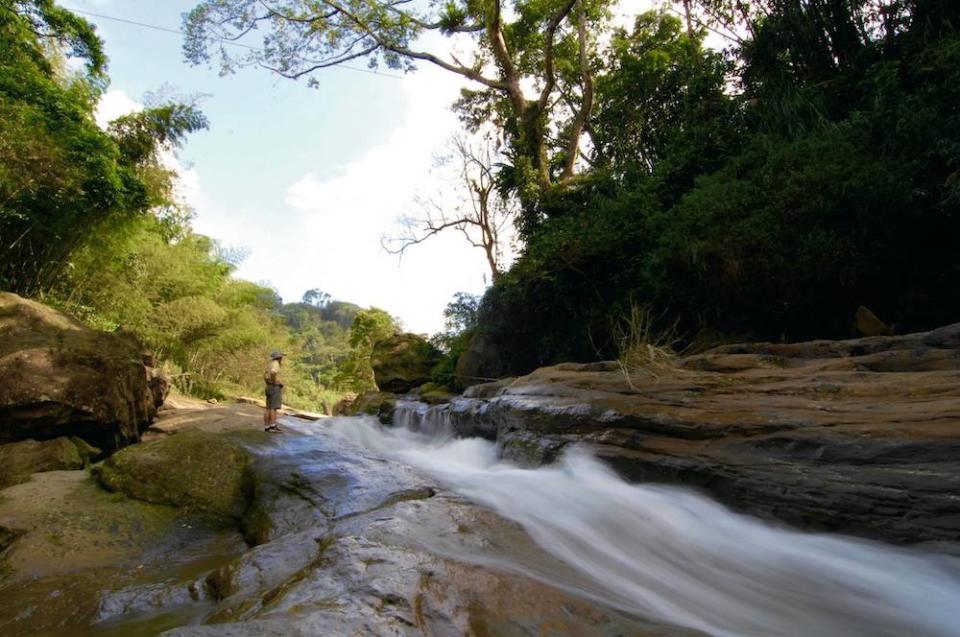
(275, 355)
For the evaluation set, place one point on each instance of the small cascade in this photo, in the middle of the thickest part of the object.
(673, 555)
(431, 421)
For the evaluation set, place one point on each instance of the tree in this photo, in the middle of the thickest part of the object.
(541, 43)
(479, 211)
(662, 94)
(460, 315)
(369, 328)
(460, 321)
(62, 177)
(317, 298)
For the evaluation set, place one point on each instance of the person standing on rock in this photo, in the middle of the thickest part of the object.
(274, 392)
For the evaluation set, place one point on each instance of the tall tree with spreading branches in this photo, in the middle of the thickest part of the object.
(533, 61)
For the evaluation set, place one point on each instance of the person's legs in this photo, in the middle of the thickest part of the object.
(266, 406)
(273, 404)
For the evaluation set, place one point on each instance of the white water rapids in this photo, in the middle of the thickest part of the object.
(671, 555)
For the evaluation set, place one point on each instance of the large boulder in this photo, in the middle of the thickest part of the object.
(481, 362)
(403, 362)
(61, 378)
(193, 469)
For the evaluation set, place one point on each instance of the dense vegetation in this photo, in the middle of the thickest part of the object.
(90, 223)
(764, 193)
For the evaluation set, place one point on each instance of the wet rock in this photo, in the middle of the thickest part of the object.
(61, 378)
(193, 469)
(433, 394)
(528, 449)
(20, 459)
(249, 583)
(403, 362)
(859, 436)
(374, 574)
(488, 390)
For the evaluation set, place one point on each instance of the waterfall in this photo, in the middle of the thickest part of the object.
(433, 421)
(672, 555)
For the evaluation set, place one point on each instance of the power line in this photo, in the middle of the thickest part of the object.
(156, 27)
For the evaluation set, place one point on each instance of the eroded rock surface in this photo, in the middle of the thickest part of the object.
(859, 436)
(20, 459)
(360, 545)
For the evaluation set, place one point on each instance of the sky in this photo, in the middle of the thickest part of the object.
(306, 181)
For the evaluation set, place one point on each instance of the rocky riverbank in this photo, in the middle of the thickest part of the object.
(297, 534)
(859, 436)
(204, 525)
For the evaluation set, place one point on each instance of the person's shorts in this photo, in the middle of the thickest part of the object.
(274, 396)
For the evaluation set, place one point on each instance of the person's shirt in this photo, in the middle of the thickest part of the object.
(272, 374)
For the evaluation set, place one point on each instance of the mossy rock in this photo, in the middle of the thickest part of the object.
(196, 470)
(380, 404)
(403, 362)
(20, 459)
(434, 394)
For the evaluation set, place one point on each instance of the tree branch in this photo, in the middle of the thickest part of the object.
(586, 104)
(548, 53)
(466, 72)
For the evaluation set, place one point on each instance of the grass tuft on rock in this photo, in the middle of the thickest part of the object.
(643, 350)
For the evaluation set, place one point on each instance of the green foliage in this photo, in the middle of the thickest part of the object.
(831, 181)
(460, 322)
(63, 180)
(213, 332)
(369, 327)
(89, 222)
(322, 338)
(460, 315)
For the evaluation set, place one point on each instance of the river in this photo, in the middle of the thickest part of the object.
(674, 555)
(409, 530)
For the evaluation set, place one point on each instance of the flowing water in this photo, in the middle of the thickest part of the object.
(668, 560)
(672, 555)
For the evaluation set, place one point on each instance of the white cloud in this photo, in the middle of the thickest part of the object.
(327, 231)
(113, 104)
